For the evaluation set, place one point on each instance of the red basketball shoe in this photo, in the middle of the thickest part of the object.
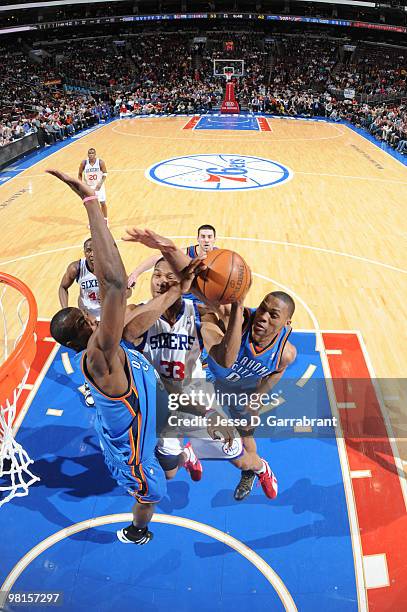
(192, 464)
(268, 482)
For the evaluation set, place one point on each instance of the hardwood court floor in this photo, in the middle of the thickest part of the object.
(334, 236)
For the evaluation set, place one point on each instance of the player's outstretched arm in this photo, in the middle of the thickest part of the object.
(109, 269)
(224, 347)
(67, 281)
(140, 318)
(177, 258)
(145, 265)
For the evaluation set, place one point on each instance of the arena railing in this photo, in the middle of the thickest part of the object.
(17, 148)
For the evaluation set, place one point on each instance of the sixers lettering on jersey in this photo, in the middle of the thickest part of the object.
(89, 284)
(89, 299)
(175, 351)
(178, 342)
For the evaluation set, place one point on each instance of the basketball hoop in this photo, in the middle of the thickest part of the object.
(224, 68)
(15, 477)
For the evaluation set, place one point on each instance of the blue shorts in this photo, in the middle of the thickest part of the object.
(145, 482)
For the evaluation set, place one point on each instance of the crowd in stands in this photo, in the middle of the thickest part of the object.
(172, 74)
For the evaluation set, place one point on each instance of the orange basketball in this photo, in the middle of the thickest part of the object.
(226, 278)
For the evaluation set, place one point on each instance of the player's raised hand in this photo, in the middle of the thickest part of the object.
(77, 186)
(131, 281)
(188, 274)
(218, 429)
(149, 239)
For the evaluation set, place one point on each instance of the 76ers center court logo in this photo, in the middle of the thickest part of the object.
(224, 172)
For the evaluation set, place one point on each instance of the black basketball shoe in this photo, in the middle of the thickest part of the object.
(132, 535)
(245, 485)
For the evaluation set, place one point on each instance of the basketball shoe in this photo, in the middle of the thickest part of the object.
(132, 535)
(89, 401)
(268, 481)
(245, 485)
(192, 463)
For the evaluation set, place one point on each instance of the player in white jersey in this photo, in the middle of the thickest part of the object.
(222, 342)
(173, 344)
(93, 171)
(82, 271)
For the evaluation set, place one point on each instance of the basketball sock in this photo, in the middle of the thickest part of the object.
(134, 535)
(136, 531)
(262, 469)
(187, 453)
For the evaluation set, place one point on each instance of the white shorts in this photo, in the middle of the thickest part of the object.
(204, 446)
(101, 194)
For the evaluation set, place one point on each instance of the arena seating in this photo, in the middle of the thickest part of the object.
(67, 87)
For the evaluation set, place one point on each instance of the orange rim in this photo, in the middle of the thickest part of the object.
(13, 370)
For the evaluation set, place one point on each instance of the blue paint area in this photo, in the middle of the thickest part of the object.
(303, 534)
(228, 122)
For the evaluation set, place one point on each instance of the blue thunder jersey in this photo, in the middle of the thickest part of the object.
(126, 425)
(192, 252)
(252, 363)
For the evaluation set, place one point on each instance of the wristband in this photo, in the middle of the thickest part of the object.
(88, 198)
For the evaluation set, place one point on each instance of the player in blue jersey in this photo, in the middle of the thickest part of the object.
(260, 353)
(206, 238)
(266, 330)
(123, 383)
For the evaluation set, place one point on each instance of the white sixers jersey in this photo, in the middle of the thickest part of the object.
(88, 290)
(92, 173)
(175, 352)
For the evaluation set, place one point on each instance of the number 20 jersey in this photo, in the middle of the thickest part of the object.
(175, 351)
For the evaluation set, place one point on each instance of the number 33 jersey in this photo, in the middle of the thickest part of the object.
(175, 351)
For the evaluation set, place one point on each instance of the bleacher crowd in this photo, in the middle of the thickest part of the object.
(88, 81)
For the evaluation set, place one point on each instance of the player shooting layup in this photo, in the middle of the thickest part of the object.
(223, 346)
(93, 171)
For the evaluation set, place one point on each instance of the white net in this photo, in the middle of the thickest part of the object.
(223, 67)
(15, 475)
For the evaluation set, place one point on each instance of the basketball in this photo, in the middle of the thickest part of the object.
(226, 278)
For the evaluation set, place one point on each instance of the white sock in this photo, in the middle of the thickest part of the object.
(187, 453)
(262, 469)
(190, 454)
